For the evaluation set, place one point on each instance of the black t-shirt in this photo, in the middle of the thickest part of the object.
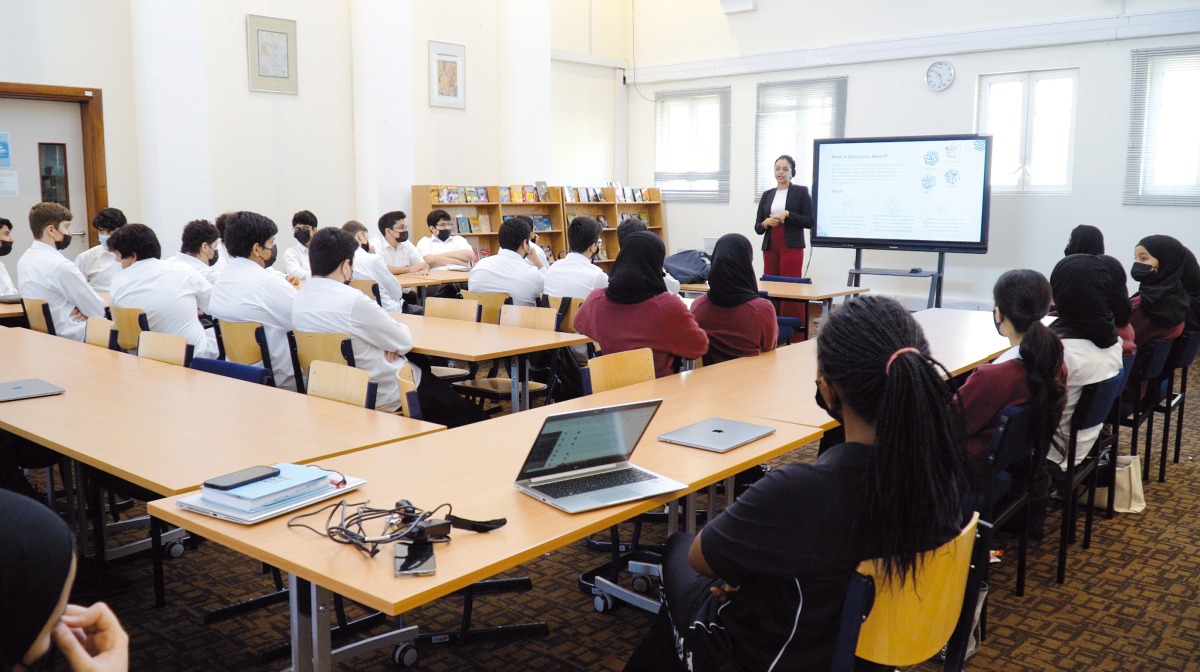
(789, 542)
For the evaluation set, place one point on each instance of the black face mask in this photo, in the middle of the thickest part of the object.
(216, 255)
(402, 237)
(5, 248)
(1141, 272)
(444, 235)
(302, 236)
(997, 323)
(274, 255)
(836, 415)
(1067, 250)
(366, 247)
(64, 243)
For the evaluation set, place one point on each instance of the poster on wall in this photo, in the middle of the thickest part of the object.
(447, 75)
(271, 48)
(5, 152)
(8, 183)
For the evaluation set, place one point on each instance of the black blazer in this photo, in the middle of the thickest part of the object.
(800, 210)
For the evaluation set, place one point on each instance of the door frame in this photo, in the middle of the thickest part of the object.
(91, 118)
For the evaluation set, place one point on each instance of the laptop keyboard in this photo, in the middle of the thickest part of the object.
(608, 479)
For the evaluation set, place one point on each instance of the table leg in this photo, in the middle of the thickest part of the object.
(309, 606)
(524, 363)
(689, 512)
(160, 591)
(514, 380)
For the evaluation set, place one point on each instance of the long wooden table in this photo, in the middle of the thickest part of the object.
(794, 291)
(421, 282)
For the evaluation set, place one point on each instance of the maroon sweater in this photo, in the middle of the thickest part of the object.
(661, 323)
(1144, 330)
(745, 330)
(988, 391)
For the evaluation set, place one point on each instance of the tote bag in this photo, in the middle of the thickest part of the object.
(1128, 481)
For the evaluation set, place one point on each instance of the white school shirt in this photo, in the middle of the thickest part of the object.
(6, 284)
(1086, 364)
(44, 273)
(295, 262)
(99, 266)
(327, 306)
(209, 273)
(222, 258)
(403, 254)
(575, 276)
(369, 266)
(247, 292)
(671, 283)
(434, 245)
(509, 273)
(537, 251)
(170, 294)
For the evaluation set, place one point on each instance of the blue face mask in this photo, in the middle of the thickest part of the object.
(104, 240)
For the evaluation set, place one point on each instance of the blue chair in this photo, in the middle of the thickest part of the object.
(1011, 450)
(1183, 353)
(1135, 409)
(784, 278)
(788, 326)
(250, 374)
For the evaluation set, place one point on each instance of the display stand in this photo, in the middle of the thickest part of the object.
(935, 277)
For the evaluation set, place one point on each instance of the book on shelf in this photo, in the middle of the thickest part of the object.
(443, 195)
(481, 195)
(530, 192)
(549, 253)
(460, 195)
(518, 193)
(507, 217)
(475, 224)
(468, 194)
(435, 195)
(618, 192)
(505, 195)
(569, 194)
(543, 191)
(541, 222)
(483, 252)
(464, 224)
(570, 218)
(294, 480)
(602, 220)
(485, 223)
(639, 196)
(597, 195)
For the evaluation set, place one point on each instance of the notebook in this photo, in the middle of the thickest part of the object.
(27, 389)
(580, 461)
(197, 504)
(717, 434)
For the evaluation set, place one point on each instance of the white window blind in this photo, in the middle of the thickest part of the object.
(1031, 118)
(691, 153)
(1163, 160)
(790, 116)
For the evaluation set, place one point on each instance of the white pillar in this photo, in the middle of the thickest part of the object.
(524, 119)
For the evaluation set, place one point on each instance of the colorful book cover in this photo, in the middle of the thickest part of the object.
(618, 192)
(571, 217)
(462, 195)
(603, 220)
(475, 225)
(541, 223)
(443, 195)
(469, 194)
(569, 194)
(485, 223)
(597, 195)
(481, 195)
(543, 191)
(507, 217)
(518, 194)
(464, 224)
(483, 252)
(530, 193)
(435, 195)
(505, 195)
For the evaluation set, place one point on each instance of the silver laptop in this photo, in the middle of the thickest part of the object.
(27, 389)
(196, 504)
(717, 434)
(580, 461)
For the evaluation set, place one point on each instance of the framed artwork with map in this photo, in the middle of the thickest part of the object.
(271, 46)
(447, 75)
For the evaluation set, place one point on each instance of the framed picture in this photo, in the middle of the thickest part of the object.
(271, 46)
(447, 75)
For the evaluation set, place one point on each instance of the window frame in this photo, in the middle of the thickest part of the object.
(719, 195)
(1149, 65)
(1029, 79)
(764, 177)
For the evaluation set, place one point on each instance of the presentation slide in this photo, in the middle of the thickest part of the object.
(903, 193)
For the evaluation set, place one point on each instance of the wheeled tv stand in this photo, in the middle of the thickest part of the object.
(935, 277)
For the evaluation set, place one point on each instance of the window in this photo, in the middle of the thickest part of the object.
(691, 153)
(1163, 162)
(1031, 118)
(790, 116)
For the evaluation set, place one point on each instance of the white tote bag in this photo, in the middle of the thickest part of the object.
(1128, 481)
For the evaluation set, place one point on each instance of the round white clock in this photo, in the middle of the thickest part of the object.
(939, 75)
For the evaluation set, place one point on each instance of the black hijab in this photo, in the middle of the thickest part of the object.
(1085, 239)
(637, 273)
(1191, 285)
(1080, 285)
(1118, 292)
(1163, 298)
(731, 279)
(36, 548)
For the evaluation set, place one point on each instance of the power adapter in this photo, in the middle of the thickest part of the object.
(432, 528)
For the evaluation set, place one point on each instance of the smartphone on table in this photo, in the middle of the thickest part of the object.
(415, 559)
(239, 478)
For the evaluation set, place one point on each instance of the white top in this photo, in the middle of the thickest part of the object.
(99, 265)
(537, 251)
(671, 283)
(1012, 353)
(780, 203)
(575, 276)
(246, 292)
(369, 266)
(222, 258)
(6, 284)
(403, 255)
(1086, 364)
(508, 272)
(295, 262)
(327, 306)
(434, 245)
(44, 273)
(171, 296)
(209, 273)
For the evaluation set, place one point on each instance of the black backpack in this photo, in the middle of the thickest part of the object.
(689, 266)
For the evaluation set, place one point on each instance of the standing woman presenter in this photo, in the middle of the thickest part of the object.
(783, 214)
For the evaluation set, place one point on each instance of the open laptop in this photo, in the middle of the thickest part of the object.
(27, 389)
(580, 461)
(196, 504)
(717, 434)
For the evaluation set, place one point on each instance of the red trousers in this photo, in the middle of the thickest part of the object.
(785, 261)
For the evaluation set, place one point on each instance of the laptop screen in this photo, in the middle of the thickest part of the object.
(591, 438)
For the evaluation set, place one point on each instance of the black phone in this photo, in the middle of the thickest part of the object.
(415, 559)
(239, 478)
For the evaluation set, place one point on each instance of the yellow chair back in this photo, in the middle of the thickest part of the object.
(129, 326)
(99, 332)
(338, 382)
(169, 348)
(466, 310)
(491, 302)
(619, 369)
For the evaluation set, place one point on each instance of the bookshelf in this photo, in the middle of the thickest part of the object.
(609, 211)
(424, 202)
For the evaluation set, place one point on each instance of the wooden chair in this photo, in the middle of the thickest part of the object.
(130, 323)
(368, 287)
(490, 304)
(338, 382)
(499, 389)
(37, 311)
(410, 404)
(566, 311)
(308, 347)
(244, 343)
(100, 332)
(466, 310)
(900, 625)
(169, 348)
(619, 369)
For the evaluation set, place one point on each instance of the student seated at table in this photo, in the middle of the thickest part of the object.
(44, 273)
(1029, 374)
(370, 266)
(327, 304)
(507, 272)
(247, 291)
(762, 585)
(1079, 285)
(295, 260)
(441, 249)
(633, 225)
(1161, 305)
(173, 296)
(7, 288)
(98, 264)
(1087, 239)
(636, 311)
(738, 321)
(575, 276)
(37, 570)
(393, 245)
(199, 249)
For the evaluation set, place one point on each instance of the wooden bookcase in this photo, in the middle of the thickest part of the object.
(424, 203)
(608, 212)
